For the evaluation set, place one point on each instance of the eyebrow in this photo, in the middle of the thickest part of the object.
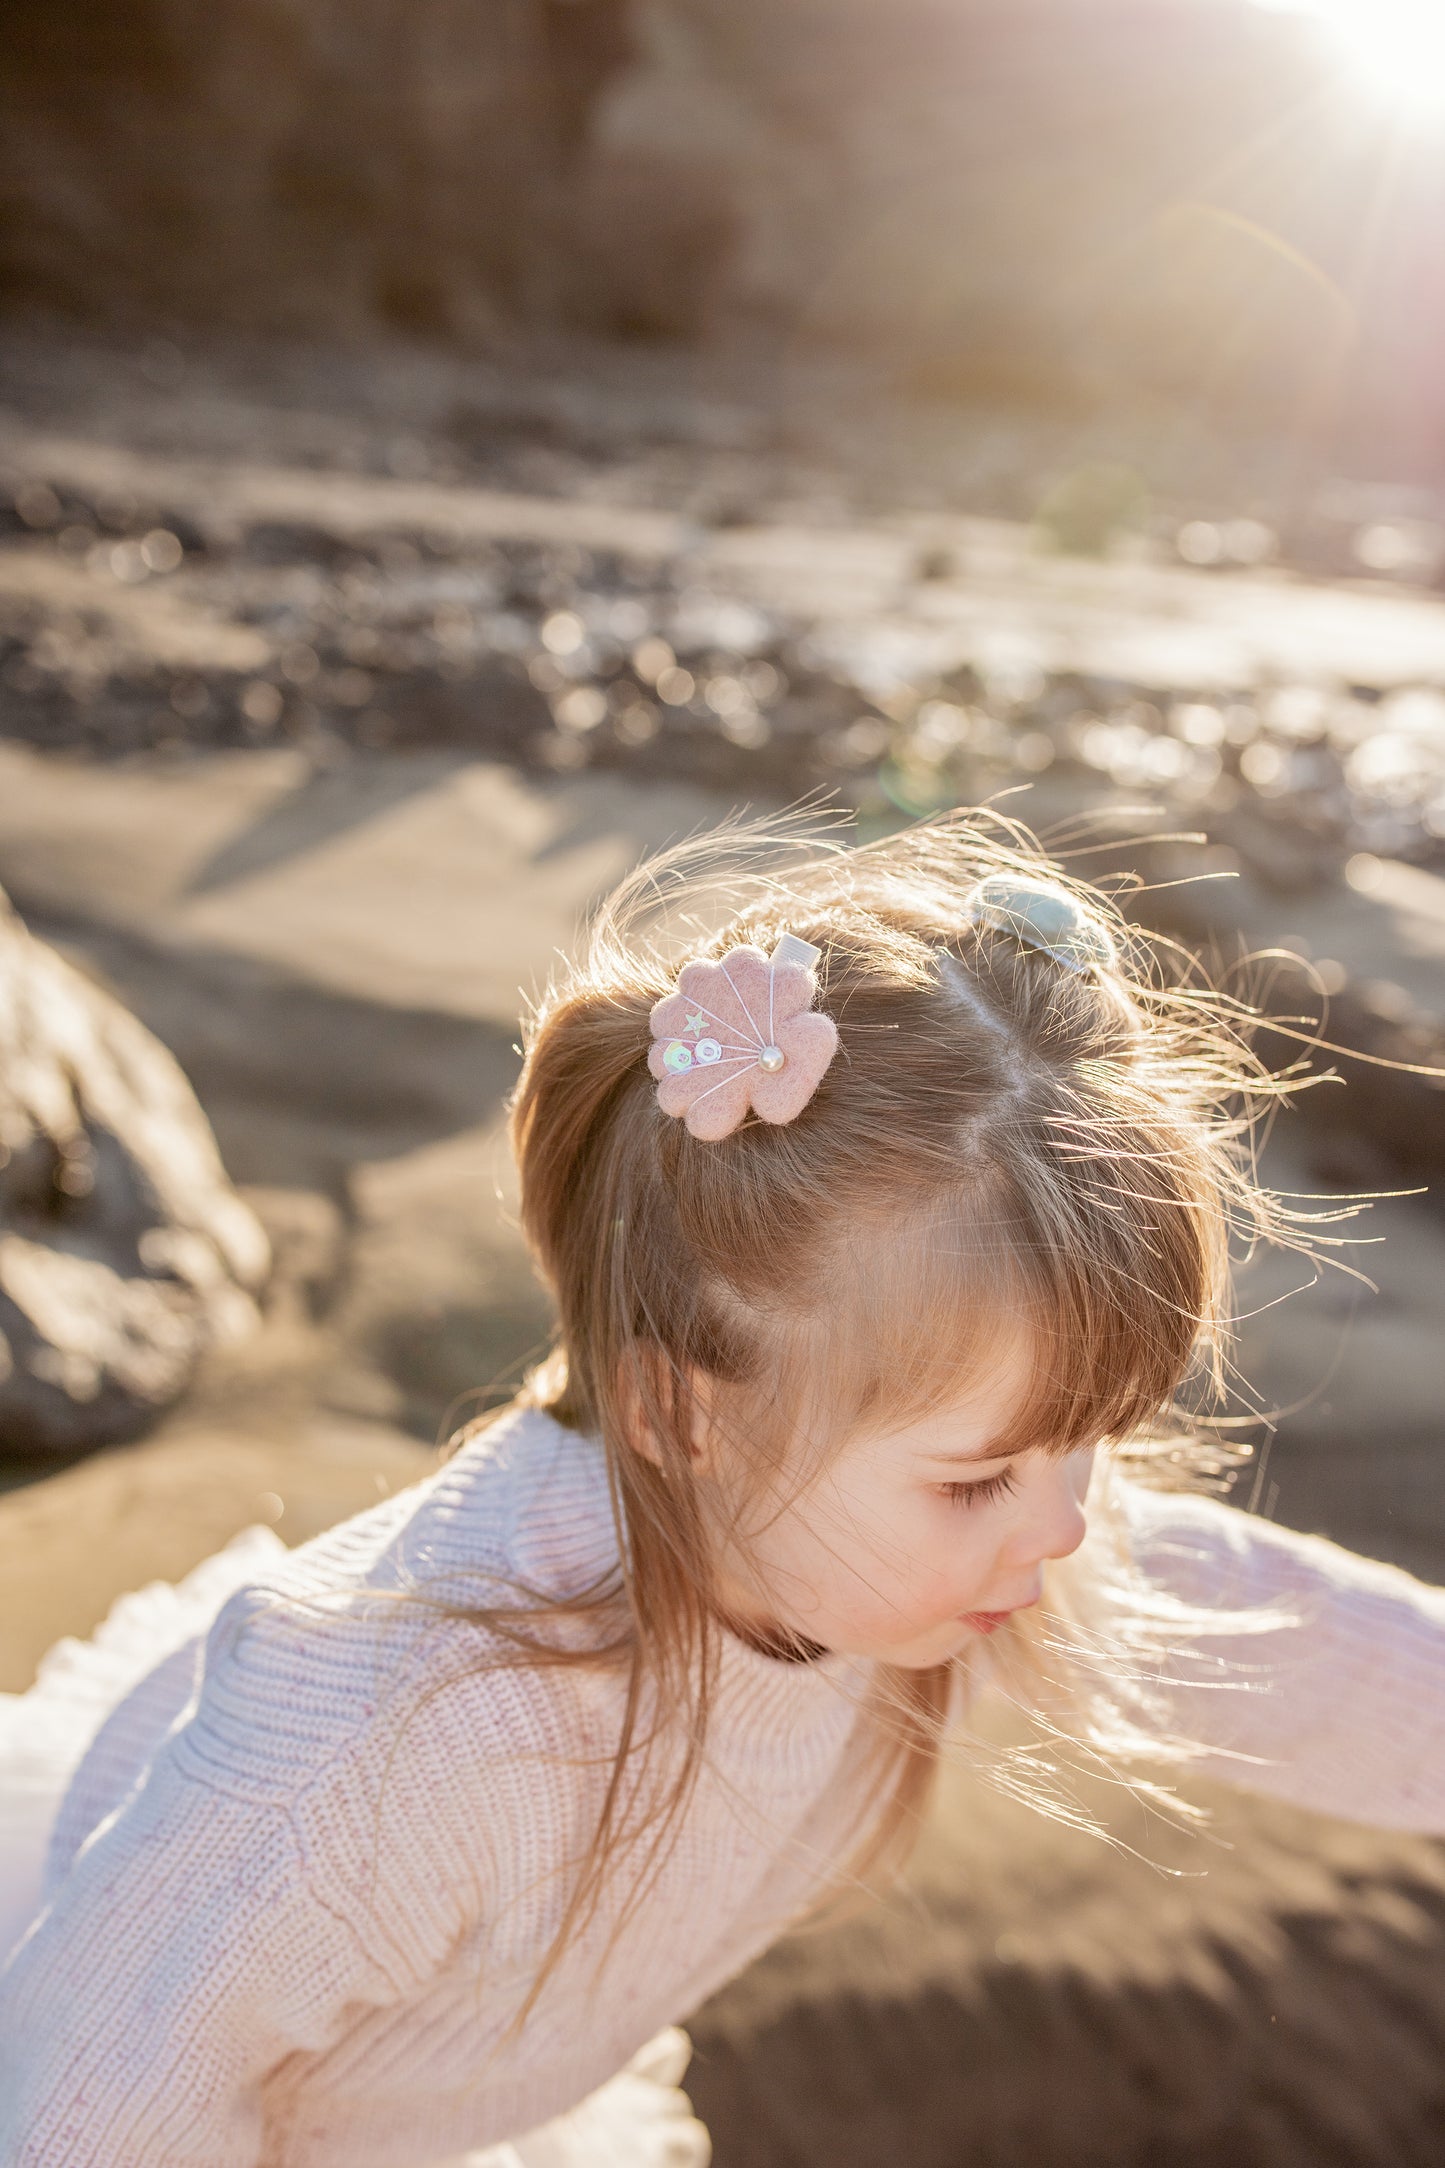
(968, 1460)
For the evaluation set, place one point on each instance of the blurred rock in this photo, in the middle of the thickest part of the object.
(1352, 981)
(1039, 202)
(304, 164)
(124, 1251)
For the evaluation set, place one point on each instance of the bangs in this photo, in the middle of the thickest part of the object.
(917, 1311)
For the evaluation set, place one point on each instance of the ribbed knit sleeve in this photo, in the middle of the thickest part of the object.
(281, 1869)
(1325, 1685)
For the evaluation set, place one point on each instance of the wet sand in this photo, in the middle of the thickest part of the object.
(1270, 1997)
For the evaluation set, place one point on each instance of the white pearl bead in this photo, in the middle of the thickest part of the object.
(772, 1058)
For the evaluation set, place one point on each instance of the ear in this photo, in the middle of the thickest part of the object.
(642, 1382)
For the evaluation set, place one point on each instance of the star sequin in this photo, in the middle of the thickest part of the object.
(697, 1021)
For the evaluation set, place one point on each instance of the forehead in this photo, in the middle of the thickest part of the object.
(978, 1413)
(946, 1313)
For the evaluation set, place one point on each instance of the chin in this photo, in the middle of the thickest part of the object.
(929, 1649)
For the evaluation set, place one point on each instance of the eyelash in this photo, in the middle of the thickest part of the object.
(981, 1494)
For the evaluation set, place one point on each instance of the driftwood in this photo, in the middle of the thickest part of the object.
(124, 1250)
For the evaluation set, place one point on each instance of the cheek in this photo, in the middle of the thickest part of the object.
(855, 1554)
(921, 1559)
(963, 1545)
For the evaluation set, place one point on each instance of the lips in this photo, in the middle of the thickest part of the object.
(989, 1622)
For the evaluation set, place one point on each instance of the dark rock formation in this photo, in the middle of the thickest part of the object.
(296, 163)
(1037, 200)
(124, 1251)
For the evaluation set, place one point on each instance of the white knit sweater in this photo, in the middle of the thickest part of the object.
(305, 1876)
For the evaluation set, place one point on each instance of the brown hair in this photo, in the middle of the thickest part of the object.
(995, 1128)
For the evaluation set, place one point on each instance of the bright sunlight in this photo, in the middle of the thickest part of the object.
(1398, 45)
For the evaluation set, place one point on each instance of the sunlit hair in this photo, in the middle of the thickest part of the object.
(998, 1135)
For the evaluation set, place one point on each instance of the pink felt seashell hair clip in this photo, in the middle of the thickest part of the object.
(740, 1034)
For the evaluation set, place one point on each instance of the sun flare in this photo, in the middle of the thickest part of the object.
(1397, 45)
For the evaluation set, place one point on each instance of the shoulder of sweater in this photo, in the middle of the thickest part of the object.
(525, 1503)
(365, 1633)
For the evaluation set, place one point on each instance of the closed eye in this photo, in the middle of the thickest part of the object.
(980, 1493)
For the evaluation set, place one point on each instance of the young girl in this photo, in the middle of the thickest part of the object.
(878, 1228)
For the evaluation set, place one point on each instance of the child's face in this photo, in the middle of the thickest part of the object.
(915, 1541)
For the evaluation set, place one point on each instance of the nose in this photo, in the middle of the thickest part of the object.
(1057, 1526)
